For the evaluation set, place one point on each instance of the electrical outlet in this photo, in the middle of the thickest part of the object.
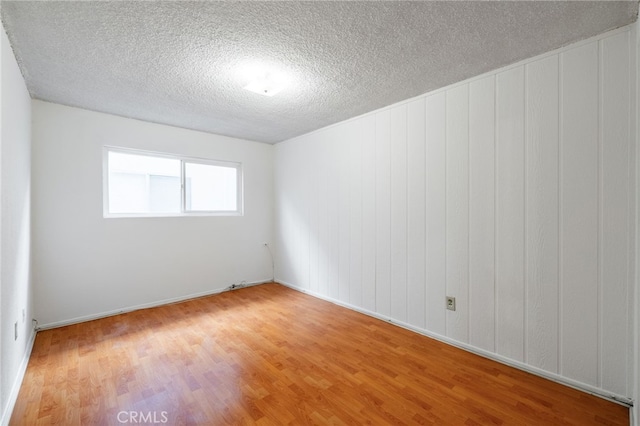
(451, 303)
(15, 331)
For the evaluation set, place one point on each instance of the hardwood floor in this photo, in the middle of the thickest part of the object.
(269, 355)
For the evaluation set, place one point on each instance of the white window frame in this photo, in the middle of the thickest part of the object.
(183, 160)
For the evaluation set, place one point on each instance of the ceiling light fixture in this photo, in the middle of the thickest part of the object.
(266, 83)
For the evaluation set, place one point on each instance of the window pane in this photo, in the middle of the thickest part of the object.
(143, 184)
(210, 188)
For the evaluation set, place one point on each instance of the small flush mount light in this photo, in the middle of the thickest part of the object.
(266, 83)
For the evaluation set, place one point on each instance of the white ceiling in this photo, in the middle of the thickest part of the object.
(183, 63)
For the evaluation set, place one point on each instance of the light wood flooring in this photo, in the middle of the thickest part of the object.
(269, 355)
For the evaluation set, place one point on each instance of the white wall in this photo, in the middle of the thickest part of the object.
(513, 192)
(15, 279)
(85, 265)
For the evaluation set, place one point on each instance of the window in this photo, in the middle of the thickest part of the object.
(138, 183)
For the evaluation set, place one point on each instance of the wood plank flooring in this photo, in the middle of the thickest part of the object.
(268, 355)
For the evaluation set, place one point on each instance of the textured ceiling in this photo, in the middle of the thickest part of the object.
(183, 63)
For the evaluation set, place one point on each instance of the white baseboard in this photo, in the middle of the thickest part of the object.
(15, 389)
(619, 399)
(155, 304)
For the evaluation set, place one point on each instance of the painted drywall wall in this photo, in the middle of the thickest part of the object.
(15, 184)
(513, 192)
(85, 265)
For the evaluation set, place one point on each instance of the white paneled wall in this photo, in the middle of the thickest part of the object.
(435, 138)
(541, 213)
(482, 213)
(512, 192)
(510, 213)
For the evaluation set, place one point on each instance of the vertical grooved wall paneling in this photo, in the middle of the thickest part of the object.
(436, 217)
(345, 139)
(457, 208)
(579, 213)
(368, 131)
(303, 232)
(510, 213)
(541, 334)
(481, 213)
(333, 163)
(398, 125)
(314, 215)
(355, 215)
(323, 220)
(416, 193)
(614, 202)
(383, 213)
(511, 192)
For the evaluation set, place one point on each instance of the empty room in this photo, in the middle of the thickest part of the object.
(319, 212)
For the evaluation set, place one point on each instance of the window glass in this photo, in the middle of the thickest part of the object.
(210, 187)
(137, 184)
(143, 184)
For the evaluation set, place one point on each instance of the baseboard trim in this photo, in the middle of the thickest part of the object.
(155, 304)
(618, 399)
(15, 389)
